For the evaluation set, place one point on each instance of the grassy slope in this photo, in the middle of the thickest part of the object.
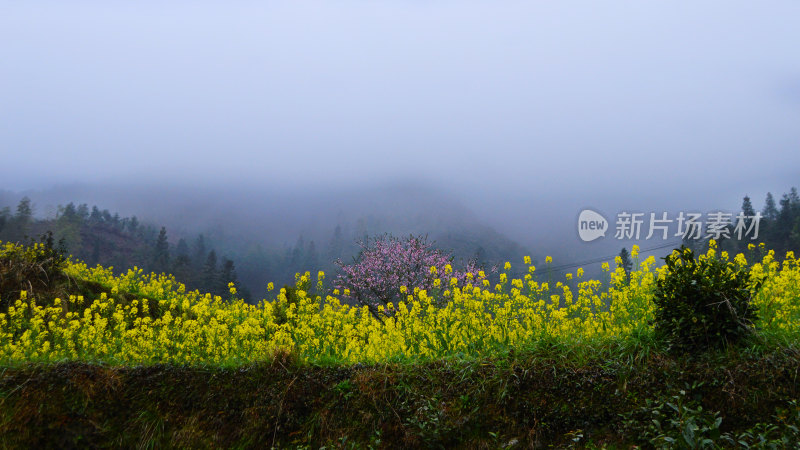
(555, 393)
(535, 398)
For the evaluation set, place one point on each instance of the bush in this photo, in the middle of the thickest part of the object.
(35, 268)
(703, 303)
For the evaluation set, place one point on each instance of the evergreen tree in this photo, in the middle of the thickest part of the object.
(68, 213)
(19, 226)
(83, 211)
(770, 211)
(161, 253)
(5, 218)
(298, 254)
(768, 227)
(794, 237)
(480, 257)
(182, 249)
(68, 228)
(94, 259)
(200, 252)
(361, 230)
(626, 262)
(748, 211)
(24, 210)
(783, 226)
(794, 205)
(336, 244)
(133, 225)
(747, 207)
(794, 198)
(96, 216)
(312, 258)
(182, 267)
(227, 274)
(207, 283)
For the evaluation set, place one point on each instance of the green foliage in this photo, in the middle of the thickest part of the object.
(681, 422)
(97, 236)
(703, 303)
(282, 305)
(526, 400)
(160, 261)
(35, 269)
(782, 432)
(626, 262)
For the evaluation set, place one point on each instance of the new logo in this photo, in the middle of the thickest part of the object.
(591, 225)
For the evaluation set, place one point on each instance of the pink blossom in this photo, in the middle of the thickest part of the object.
(386, 263)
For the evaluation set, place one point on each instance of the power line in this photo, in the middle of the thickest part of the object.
(607, 258)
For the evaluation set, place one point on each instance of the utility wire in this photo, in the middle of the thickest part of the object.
(610, 258)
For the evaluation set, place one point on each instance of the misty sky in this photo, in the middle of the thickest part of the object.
(495, 99)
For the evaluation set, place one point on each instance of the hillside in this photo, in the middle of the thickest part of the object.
(97, 237)
(242, 227)
(91, 358)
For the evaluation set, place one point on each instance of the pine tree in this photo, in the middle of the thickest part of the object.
(481, 258)
(68, 213)
(24, 210)
(5, 218)
(182, 249)
(794, 221)
(770, 211)
(207, 283)
(784, 225)
(736, 245)
(68, 228)
(83, 211)
(361, 233)
(227, 274)
(312, 258)
(747, 207)
(794, 198)
(161, 253)
(133, 225)
(96, 216)
(19, 226)
(336, 244)
(626, 264)
(182, 267)
(200, 252)
(298, 254)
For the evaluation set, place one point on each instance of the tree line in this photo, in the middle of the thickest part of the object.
(96, 236)
(778, 227)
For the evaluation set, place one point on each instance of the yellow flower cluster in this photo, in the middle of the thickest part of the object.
(152, 318)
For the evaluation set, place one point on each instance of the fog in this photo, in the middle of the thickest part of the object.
(279, 118)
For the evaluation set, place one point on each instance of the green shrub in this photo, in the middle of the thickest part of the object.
(681, 422)
(35, 268)
(703, 303)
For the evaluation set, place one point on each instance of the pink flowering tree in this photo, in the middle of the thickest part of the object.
(386, 263)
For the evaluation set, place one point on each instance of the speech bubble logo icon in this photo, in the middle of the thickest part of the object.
(591, 225)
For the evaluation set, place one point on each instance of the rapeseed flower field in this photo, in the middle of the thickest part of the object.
(143, 318)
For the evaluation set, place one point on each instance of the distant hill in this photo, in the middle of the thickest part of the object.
(96, 236)
(270, 235)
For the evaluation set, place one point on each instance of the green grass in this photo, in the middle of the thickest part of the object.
(537, 397)
(563, 392)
